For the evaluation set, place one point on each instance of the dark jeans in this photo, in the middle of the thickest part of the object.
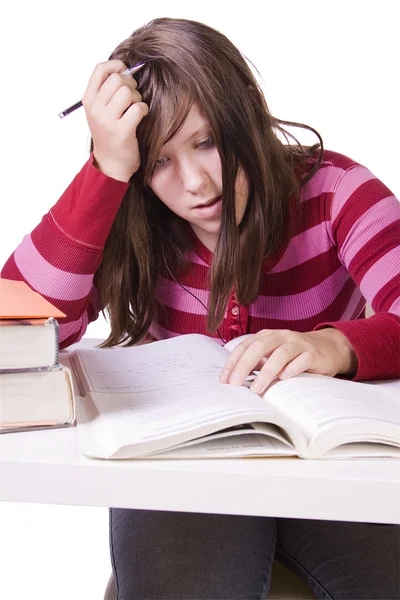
(182, 556)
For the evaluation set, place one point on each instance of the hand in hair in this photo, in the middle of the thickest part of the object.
(284, 354)
(114, 109)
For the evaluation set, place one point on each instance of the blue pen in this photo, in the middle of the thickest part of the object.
(129, 70)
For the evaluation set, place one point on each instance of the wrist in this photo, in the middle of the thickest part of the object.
(111, 170)
(347, 361)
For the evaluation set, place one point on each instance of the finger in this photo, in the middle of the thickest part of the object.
(301, 364)
(277, 361)
(121, 101)
(110, 87)
(233, 359)
(99, 76)
(251, 357)
(135, 114)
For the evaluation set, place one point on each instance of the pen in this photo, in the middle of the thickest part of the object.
(70, 109)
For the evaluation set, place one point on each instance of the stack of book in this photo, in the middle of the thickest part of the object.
(35, 390)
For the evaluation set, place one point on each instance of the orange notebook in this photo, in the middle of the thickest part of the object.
(19, 301)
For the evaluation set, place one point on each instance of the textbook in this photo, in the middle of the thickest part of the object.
(32, 400)
(164, 400)
(35, 391)
(28, 328)
(28, 344)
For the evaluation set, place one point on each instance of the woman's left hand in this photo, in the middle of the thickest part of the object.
(282, 353)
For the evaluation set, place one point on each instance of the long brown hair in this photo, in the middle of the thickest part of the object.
(187, 62)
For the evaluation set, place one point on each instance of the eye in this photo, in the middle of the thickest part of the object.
(207, 143)
(161, 162)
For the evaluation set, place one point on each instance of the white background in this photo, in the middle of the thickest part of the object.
(331, 65)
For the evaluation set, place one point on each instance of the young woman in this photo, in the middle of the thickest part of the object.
(194, 214)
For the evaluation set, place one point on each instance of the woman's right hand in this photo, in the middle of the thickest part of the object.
(114, 109)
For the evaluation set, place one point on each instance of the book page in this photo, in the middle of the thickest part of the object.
(149, 367)
(317, 402)
(242, 444)
(236, 341)
(362, 451)
(165, 389)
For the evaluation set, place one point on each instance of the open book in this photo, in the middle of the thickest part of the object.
(164, 400)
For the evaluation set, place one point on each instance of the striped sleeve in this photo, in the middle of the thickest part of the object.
(61, 255)
(365, 226)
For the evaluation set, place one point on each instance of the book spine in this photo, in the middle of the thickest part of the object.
(55, 367)
(54, 322)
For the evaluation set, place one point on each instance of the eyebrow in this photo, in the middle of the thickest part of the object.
(202, 129)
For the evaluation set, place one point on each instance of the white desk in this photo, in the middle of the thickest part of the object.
(46, 467)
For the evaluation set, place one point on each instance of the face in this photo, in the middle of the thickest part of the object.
(188, 179)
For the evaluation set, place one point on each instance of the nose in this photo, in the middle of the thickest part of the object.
(194, 176)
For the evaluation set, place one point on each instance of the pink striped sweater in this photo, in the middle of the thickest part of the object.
(345, 250)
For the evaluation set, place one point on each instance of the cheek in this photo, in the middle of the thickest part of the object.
(166, 189)
(241, 194)
(215, 167)
(241, 188)
(161, 185)
(242, 184)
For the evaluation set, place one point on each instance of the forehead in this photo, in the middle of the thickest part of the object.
(195, 124)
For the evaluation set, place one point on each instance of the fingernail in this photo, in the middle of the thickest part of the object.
(235, 379)
(284, 375)
(257, 386)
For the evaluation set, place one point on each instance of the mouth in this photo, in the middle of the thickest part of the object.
(210, 210)
(209, 203)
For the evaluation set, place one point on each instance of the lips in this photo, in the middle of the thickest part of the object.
(209, 210)
(209, 203)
